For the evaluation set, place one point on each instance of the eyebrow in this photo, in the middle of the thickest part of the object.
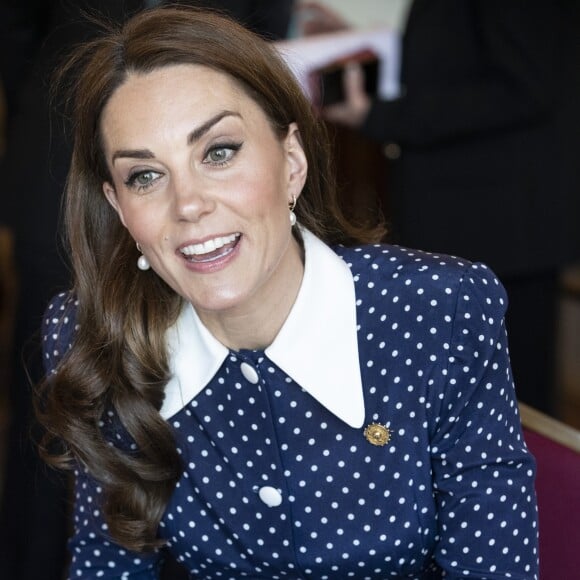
(192, 137)
(133, 154)
(196, 134)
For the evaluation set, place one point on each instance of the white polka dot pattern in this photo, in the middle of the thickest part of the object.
(450, 495)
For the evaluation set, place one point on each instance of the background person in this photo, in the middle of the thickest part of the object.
(481, 148)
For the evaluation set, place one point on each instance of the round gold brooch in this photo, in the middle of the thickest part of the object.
(377, 434)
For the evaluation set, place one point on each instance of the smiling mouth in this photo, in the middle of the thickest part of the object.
(210, 249)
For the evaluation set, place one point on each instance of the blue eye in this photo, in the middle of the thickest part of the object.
(142, 179)
(221, 154)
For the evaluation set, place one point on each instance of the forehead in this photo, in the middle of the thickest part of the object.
(164, 94)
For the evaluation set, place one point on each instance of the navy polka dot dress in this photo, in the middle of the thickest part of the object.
(378, 437)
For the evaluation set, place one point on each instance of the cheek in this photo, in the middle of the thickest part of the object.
(263, 192)
(144, 224)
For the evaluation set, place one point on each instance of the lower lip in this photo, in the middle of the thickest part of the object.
(217, 264)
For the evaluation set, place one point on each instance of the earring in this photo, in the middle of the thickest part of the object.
(142, 262)
(291, 207)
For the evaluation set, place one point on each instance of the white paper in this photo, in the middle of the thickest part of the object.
(369, 13)
(307, 54)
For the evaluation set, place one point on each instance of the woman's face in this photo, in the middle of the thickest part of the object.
(202, 183)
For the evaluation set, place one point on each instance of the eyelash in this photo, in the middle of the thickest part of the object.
(233, 147)
(131, 181)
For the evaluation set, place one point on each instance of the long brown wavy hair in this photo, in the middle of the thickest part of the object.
(118, 361)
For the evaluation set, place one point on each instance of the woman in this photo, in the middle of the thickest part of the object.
(230, 378)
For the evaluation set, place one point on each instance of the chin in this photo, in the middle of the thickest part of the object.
(218, 301)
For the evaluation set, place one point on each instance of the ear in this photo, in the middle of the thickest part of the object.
(111, 195)
(297, 163)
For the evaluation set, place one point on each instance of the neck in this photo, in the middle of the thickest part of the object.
(256, 325)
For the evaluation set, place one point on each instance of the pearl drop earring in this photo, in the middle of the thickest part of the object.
(291, 207)
(142, 262)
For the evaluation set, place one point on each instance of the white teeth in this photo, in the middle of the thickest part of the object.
(209, 245)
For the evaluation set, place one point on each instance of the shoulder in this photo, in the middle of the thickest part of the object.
(408, 266)
(398, 274)
(58, 328)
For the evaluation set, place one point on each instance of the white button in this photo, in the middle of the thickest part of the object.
(270, 496)
(250, 373)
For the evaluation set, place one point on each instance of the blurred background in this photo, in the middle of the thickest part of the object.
(476, 153)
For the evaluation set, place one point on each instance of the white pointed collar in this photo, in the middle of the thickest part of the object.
(316, 346)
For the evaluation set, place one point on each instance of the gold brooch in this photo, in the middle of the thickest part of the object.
(377, 434)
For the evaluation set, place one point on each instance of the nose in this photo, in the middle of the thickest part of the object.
(191, 198)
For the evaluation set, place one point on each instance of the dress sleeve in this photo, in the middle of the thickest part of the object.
(94, 554)
(58, 329)
(483, 473)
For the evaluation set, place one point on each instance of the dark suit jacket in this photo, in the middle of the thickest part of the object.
(270, 18)
(484, 169)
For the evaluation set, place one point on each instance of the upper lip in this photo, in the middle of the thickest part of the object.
(207, 245)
